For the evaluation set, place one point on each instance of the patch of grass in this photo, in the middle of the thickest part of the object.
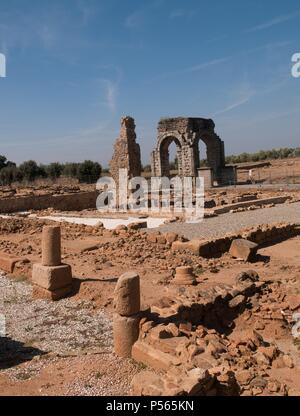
(198, 271)
(139, 366)
(23, 375)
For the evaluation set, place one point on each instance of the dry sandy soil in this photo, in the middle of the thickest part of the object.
(285, 171)
(65, 348)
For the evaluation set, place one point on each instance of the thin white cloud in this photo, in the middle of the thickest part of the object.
(110, 85)
(243, 94)
(233, 105)
(269, 47)
(111, 93)
(204, 65)
(273, 22)
(194, 68)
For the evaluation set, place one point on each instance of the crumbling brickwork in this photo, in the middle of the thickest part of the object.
(127, 154)
(186, 133)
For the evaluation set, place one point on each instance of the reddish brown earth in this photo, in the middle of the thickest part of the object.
(98, 258)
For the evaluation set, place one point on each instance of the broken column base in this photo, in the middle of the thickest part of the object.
(184, 276)
(126, 333)
(39, 292)
(52, 282)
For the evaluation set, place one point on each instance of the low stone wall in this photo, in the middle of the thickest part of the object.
(252, 202)
(65, 202)
(261, 235)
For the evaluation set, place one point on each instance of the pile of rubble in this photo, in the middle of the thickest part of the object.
(193, 347)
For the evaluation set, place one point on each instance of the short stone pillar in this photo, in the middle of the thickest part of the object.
(51, 246)
(184, 276)
(127, 306)
(52, 279)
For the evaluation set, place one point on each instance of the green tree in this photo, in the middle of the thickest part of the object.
(10, 174)
(89, 172)
(54, 170)
(71, 170)
(5, 163)
(31, 171)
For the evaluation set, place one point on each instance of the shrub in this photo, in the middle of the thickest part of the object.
(89, 172)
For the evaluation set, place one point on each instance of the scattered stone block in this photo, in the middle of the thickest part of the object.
(153, 357)
(137, 225)
(171, 237)
(193, 246)
(243, 249)
(52, 278)
(293, 301)
(237, 301)
(8, 263)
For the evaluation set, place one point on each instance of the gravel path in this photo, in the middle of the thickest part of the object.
(67, 337)
(226, 223)
(62, 328)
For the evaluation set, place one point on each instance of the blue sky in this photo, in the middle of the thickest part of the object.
(74, 67)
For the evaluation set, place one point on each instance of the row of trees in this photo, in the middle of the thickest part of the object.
(283, 153)
(85, 172)
(90, 172)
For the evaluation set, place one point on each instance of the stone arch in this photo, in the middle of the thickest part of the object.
(214, 149)
(187, 132)
(163, 147)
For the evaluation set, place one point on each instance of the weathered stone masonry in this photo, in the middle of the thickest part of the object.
(186, 133)
(127, 154)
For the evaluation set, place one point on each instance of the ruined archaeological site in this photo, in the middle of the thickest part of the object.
(148, 303)
(149, 205)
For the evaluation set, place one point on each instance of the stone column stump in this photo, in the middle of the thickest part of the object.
(52, 280)
(127, 308)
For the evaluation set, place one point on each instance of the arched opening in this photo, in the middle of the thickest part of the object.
(170, 156)
(200, 154)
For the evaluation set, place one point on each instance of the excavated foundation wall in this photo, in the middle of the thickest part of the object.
(266, 234)
(65, 202)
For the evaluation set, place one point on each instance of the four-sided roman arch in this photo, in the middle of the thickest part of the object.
(186, 133)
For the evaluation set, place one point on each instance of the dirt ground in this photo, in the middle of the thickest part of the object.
(38, 366)
(285, 171)
(66, 347)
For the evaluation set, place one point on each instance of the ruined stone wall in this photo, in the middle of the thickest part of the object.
(127, 154)
(67, 202)
(261, 235)
(186, 133)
